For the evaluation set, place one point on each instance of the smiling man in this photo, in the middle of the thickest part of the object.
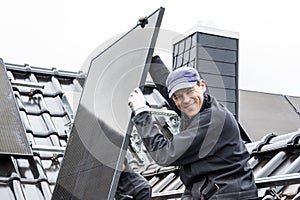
(212, 157)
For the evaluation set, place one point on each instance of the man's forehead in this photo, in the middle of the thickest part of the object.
(183, 90)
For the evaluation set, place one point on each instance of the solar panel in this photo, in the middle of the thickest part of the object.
(262, 113)
(13, 138)
(295, 101)
(100, 134)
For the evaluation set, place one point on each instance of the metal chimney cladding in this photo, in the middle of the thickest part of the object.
(13, 140)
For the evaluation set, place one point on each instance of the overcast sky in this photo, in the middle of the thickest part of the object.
(63, 33)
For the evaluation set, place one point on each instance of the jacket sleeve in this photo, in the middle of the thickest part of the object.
(159, 73)
(181, 149)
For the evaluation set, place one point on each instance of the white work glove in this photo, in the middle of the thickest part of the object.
(137, 102)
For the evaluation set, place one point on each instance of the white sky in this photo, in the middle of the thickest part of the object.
(62, 33)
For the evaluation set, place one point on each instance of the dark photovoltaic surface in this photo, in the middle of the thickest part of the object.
(100, 134)
(279, 111)
(13, 139)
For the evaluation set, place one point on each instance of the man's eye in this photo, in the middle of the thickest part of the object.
(177, 97)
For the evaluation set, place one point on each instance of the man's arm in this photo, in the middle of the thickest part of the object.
(159, 73)
(182, 149)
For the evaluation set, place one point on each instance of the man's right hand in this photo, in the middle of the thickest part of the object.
(137, 102)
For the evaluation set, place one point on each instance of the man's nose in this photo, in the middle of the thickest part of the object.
(185, 98)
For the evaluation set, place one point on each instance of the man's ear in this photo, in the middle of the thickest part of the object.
(202, 84)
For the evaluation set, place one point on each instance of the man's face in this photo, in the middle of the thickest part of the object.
(190, 100)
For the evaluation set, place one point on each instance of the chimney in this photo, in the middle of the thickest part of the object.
(214, 53)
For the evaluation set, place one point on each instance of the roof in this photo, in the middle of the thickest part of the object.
(47, 100)
(262, 113)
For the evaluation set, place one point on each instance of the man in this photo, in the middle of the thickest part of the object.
(212, 156)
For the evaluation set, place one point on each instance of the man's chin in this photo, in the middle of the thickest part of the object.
(190, 114)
